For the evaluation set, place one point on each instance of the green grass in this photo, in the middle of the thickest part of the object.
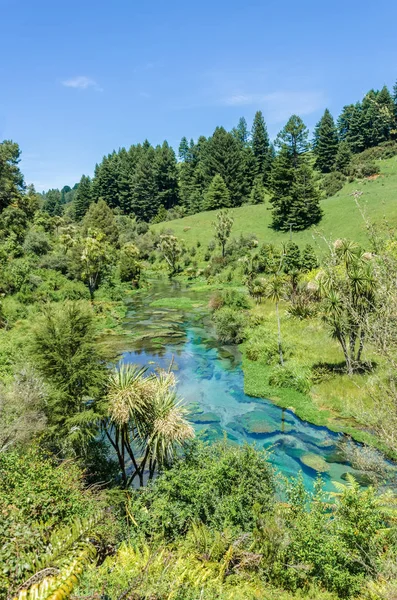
(339, 402)
(177, 303)
(342, 218)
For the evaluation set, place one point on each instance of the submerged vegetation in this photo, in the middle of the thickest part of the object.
(106, 491)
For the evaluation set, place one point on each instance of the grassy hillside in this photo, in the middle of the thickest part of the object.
(341, 219)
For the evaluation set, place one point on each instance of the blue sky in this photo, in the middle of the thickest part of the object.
(80, 78)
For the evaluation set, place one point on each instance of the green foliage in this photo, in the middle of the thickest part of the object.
(36, 242)
(216, 485)
(261, 148)
(257, 195)
(229, 325)
(290, 377)
(223, 228)
(38, 494)
(83, 197)
(11, 179)
(217, 195)
(100, 218)
(129, 265)
(325, 143)
(65, 353)
(332, 183)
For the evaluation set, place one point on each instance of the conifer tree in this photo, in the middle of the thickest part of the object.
(325, 143)
(309, 259)
(241, 132)
(83, 197)
(183, 151)
(145, 199)
(292, 258)
(294, 136)
(355, 135)
(257, 195)
(343, 157)
(296, 199)
(224, 155)
(167, 176)
(260, 146)
(217, 195)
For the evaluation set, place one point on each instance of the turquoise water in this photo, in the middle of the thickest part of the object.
(211, 382)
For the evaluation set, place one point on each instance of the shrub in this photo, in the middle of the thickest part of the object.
(37, 494)
(36, 242)
(290, 377)
(263, 346)
(217, 485)
(332, 183)
(229, 325)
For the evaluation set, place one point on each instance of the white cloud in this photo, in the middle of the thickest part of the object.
(82, 82)
(280, 105)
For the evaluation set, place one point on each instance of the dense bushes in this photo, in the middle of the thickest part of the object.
(216, 485)
(229, 325)
(37, 495)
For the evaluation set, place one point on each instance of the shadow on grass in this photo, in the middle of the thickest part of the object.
(324, 370)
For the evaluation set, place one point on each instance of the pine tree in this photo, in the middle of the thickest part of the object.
(292, 258)
(378, 116)
(343, 157)
(83, 197)
(217, 196)
(309, 258)
(224, 155)
(145, 197)
(294, 137)
(167, 176)
(296, 199)
(257, 195)
(344, 121)
(260, 146)
(356, 133)
(325, 143)
(241, 132)
(183, 151)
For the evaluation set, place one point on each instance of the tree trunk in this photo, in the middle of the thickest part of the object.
(346, 354)
(280, 348)
(361, 346)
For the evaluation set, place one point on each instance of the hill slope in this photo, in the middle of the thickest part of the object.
(341, 219)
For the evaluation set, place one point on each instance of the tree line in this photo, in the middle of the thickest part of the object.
(230, 168)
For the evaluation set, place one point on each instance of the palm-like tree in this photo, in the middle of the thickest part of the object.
(144, 421)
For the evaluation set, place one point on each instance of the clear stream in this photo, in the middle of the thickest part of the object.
(211, 381)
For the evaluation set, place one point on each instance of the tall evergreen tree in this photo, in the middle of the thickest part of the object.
(257, 195)
(325, 143)
(241, 132)
(296, 199)
(145, 198)
(260, 146)
(183, 151)
(83, 197)
(356, 135)
(224, 156)
(167, 176)
(52, 203)
(344, 121)
(343, 157)
(294, 137)
(217, 195)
